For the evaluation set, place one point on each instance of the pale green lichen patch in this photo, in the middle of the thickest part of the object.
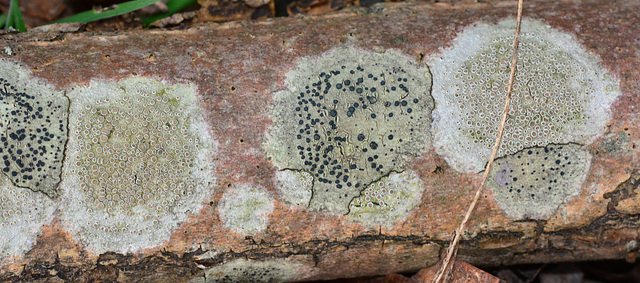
(561, 93)
(245, 209)
(139, 163)
(22, 214)
(295, 186)
(33, 130)
(348, 118)
(388, 200)
(242, 270)
(534, 182)
(617, 143)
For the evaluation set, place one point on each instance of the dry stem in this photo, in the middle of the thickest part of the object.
(443, 274)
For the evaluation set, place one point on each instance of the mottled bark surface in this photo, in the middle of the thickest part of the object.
(238, 67)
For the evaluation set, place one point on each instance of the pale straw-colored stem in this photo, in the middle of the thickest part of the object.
(444, 273)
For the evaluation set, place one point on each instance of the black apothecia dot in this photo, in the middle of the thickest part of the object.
(27, 133)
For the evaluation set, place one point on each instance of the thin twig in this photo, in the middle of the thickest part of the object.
(443, 274)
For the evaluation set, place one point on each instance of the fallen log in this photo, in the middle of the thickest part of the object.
(319, 147)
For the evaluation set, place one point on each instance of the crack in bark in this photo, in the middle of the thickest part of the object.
(625, 190)
(188, 265)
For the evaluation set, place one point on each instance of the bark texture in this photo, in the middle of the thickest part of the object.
(237, 69)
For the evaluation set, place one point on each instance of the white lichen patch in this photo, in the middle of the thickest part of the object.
(33, 129)
(561, 92)
(387, 201)
(534, 182)
(22, 214)
(295, 186)
(349, 117)
(139, 162)
(245, 209)
(242, 270)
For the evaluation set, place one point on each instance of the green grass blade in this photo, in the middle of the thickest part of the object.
(14, 12)
(9, 21)
(174, 7)
(3, 20)
(14, 18)
(122, 8)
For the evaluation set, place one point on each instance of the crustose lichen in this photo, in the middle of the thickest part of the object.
(33, 130)
(139, 163)
(561, 93)
(347, 119)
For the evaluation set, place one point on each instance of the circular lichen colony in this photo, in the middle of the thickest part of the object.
(388, 200)
(561, 93)
(534, 182)
(22, 213)
(139, 163)
(295, 186)
(246, 209)
(33, 130)
(349, 118)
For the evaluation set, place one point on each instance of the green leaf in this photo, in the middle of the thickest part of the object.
(122, 8)
(14, 19)
(3, 20)
(174, 7)
(17, 17)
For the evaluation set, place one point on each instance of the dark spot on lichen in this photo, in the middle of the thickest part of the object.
(337, 122)
(533, 185)
(34, 133)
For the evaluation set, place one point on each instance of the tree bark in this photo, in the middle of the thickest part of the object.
(239, 67)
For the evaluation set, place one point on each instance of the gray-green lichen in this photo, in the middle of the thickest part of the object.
(33, 129)
(245, 209)
(387, 201)
(561, 93)
(22, 214)
(242, 270)
(139, 162)
(534, 182)
(348, 118)
(295, 186)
